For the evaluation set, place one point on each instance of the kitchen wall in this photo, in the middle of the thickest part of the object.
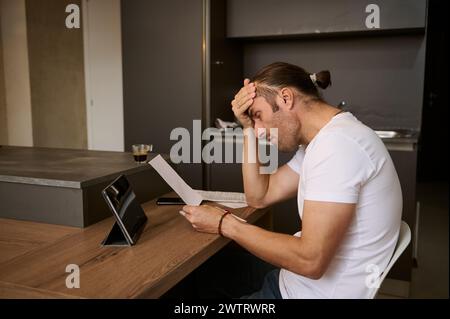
(3, 120)
(56, 76)
(380, 77)
(103, 74)
(16, 72)
(44, 95)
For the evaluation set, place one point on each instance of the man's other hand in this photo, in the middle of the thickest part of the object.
(203, 218)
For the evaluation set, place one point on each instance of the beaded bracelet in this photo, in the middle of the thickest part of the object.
(220, 222)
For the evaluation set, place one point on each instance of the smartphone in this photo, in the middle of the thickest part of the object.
(169, 201)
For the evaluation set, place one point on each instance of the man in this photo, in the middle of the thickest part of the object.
(348, 192)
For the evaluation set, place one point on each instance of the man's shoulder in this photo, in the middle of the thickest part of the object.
(352, 144)
(348, 131)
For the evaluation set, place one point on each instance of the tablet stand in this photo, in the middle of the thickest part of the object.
(129, 216)
(115, 237)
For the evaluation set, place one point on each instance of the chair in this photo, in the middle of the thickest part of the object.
(404, 239)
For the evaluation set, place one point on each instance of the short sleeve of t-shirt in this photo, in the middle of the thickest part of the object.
(335, 169)
(296, 161)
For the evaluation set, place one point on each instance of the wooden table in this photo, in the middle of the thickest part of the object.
(34, 256)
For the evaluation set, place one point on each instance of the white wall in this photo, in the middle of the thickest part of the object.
(17, 78)
(103, 73)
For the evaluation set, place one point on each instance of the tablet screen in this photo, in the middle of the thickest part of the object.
(125, 206)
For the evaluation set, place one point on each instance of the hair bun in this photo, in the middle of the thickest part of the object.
(323, 79)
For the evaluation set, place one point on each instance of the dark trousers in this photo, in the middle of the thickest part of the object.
(231, 273)
(270, 288)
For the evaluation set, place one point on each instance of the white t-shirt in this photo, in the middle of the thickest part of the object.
(346, 162)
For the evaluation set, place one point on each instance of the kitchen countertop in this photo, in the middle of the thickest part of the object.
(405, 136)
(64, 167)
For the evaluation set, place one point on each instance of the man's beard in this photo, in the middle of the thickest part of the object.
(288, 132)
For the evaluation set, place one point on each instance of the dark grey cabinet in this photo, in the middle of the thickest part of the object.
(271, 18)
(226, 64)
(162, 73)
(406, 165)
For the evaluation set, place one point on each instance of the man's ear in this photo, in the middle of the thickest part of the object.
(287, 96)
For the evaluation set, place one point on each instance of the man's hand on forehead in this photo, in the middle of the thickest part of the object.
(247, 91)
(242, 102)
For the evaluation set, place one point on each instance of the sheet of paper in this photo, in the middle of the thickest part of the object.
(189, 196)
(233, 204)
(229, 197)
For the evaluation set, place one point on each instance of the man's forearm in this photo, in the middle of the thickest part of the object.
(284, 251)
(255, 184)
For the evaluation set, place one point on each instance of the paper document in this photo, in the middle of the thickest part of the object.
(229, 197)
(191, 196)
(233, 204)
(187, 194)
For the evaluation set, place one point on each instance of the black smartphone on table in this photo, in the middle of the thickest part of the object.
(169, 201)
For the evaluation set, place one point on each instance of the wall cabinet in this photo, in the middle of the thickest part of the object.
(270, 18)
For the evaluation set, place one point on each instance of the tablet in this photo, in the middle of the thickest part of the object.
(129, 215)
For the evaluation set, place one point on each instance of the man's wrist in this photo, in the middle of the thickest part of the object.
(219, 229)
(229, 226)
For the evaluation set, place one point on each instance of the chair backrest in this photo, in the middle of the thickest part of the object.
(404, 238)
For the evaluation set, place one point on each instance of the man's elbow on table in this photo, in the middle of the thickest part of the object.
(257, 203)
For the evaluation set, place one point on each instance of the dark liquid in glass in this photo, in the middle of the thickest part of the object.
(140, 157)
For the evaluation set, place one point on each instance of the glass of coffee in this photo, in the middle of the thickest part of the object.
(140, 152)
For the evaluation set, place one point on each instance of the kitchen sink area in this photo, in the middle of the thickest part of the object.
(399, 134)
(399, 139)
